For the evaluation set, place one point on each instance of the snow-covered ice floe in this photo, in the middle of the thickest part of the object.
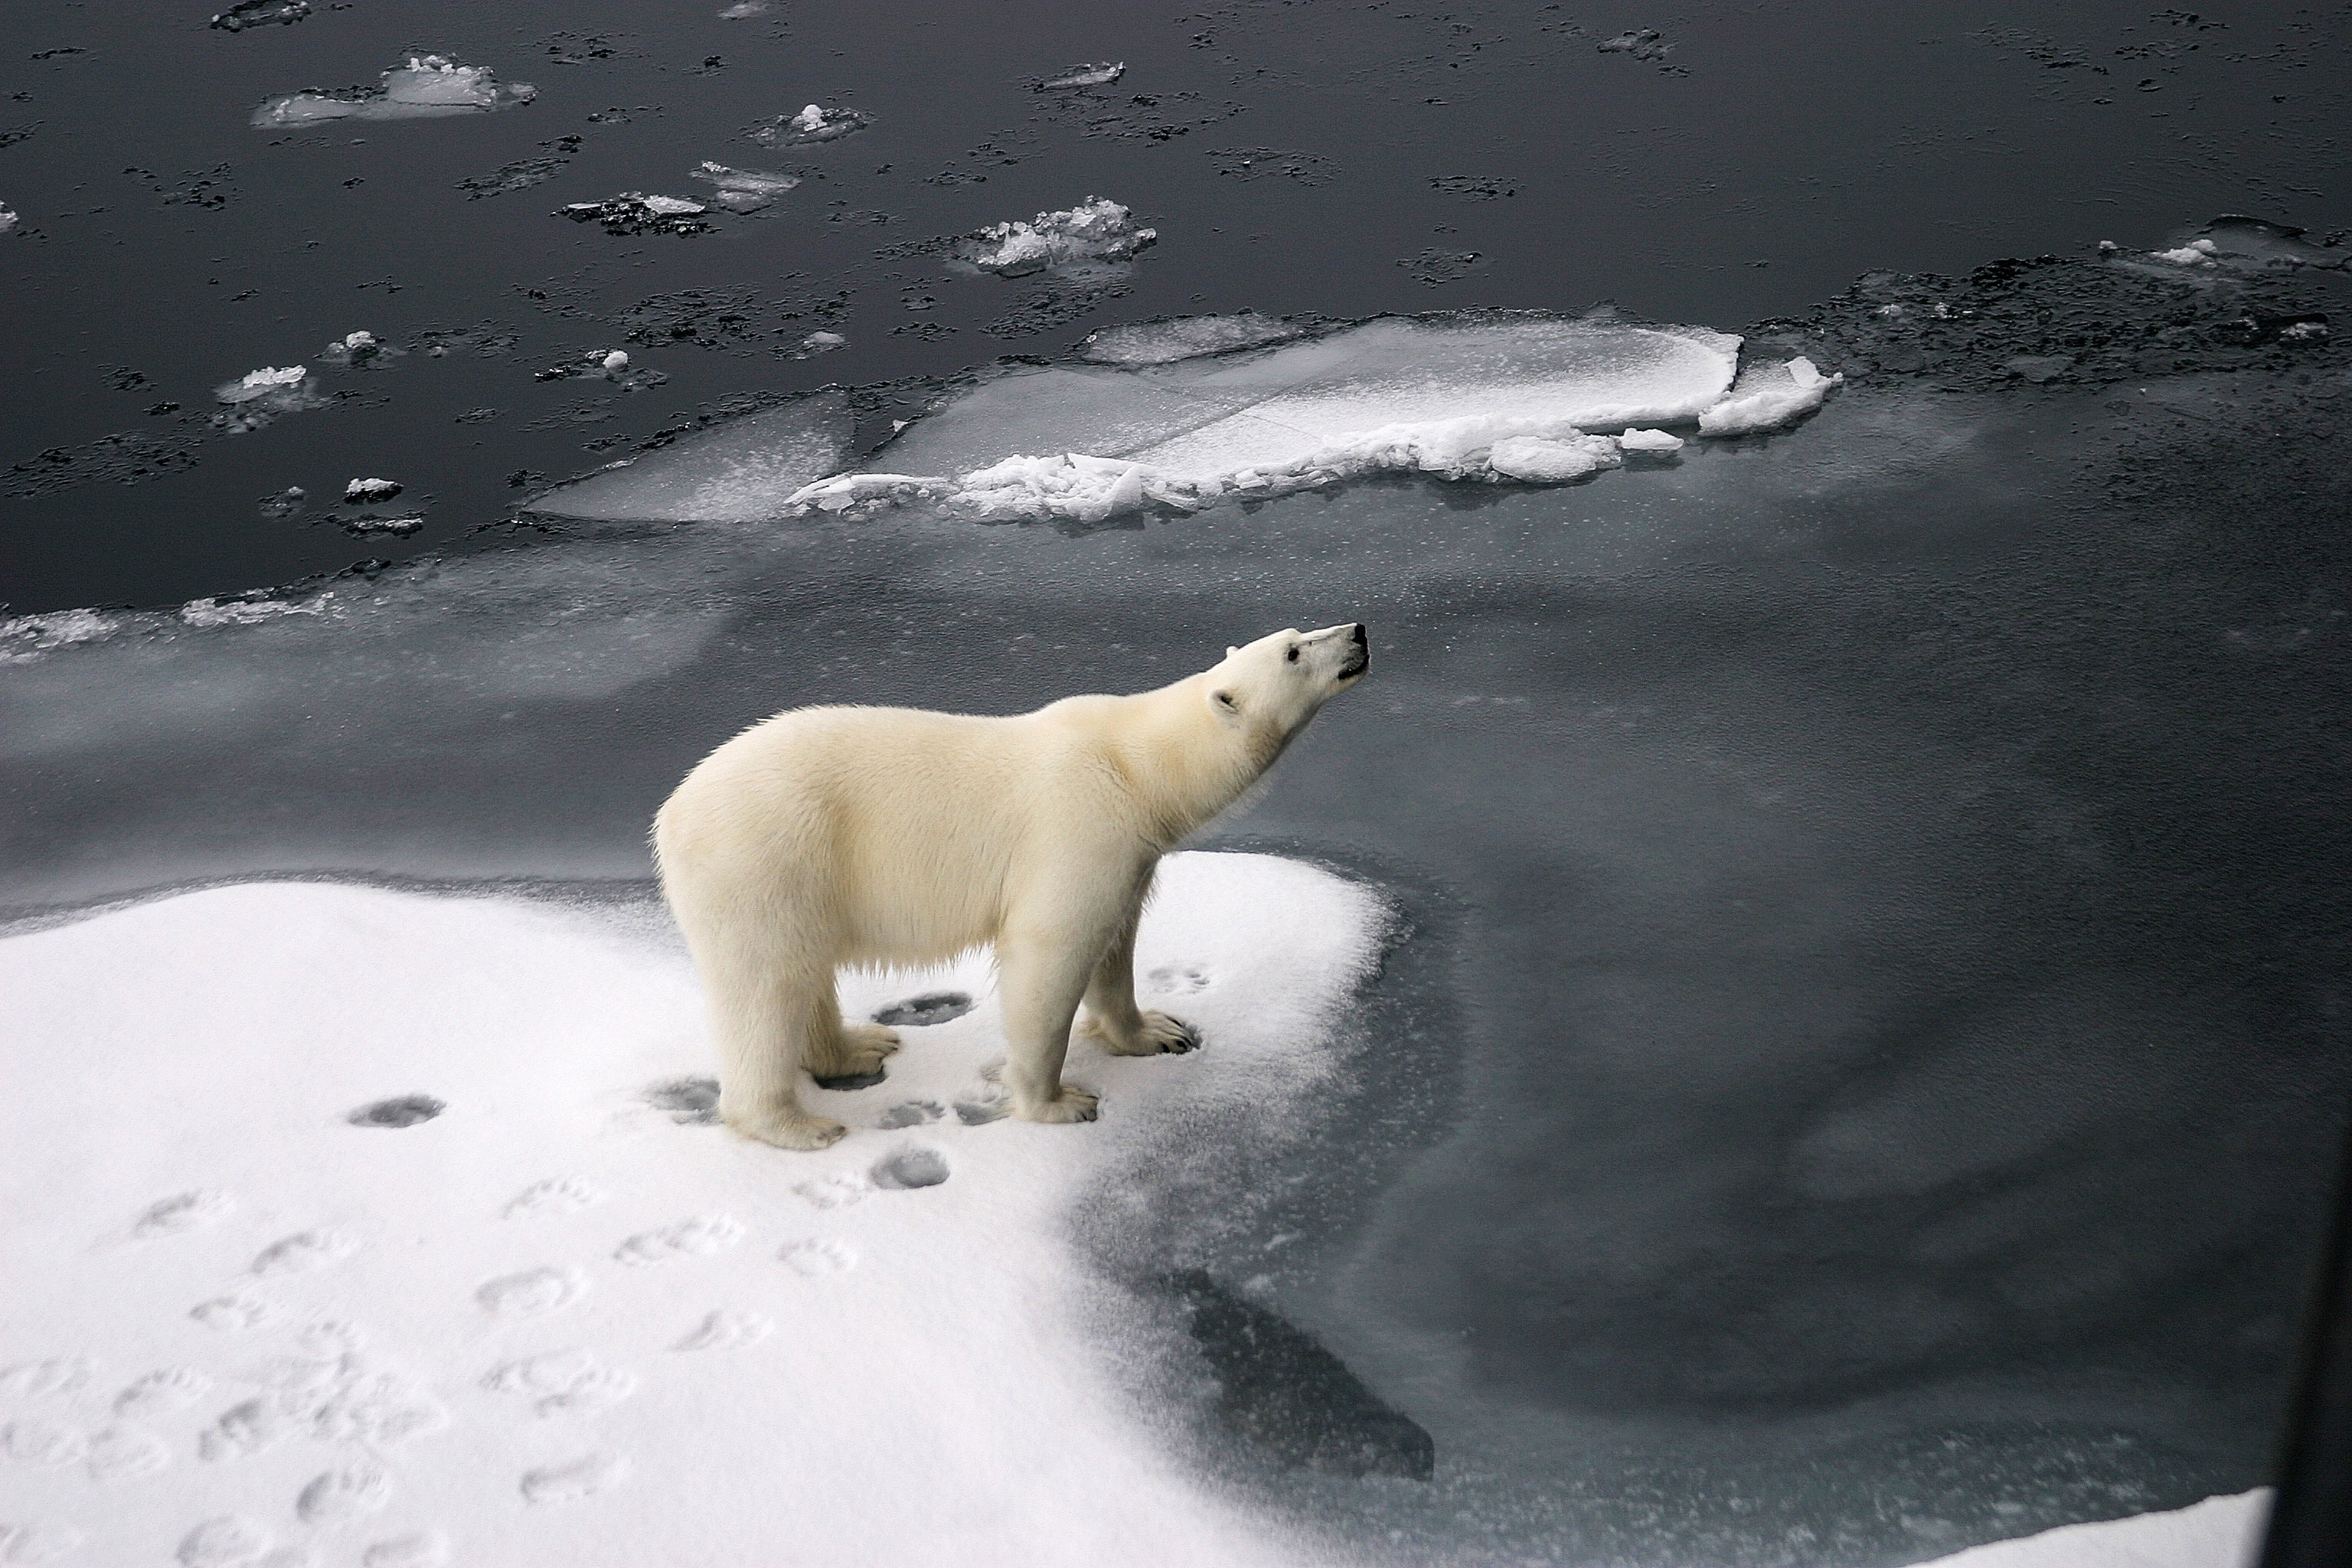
(813, 124)
(1522, 399)
(257, 397)
(745, 190)
(449, 1257)
(23, 638)
(1098, 75)
(633, 211)
(1094, 233)
(2220, 1532)
(428, 86)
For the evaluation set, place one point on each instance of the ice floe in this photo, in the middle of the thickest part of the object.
(1179, 417)
(370, 490)
(821, 342)
(1101, 75)
(813, 124)
(255, 398)
(743, 471)
(439, 1351)
(260, 13)
(1092, 233)
(1185, 337)
(633, 211)
(23, 638)
(428, 86)
(745, 190)
(744, 10)
(1771, 401)
(8, 217)
(267, 382)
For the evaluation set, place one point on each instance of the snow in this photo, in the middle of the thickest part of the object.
(371, 489)
(745, 190)
(262, 383)
(2220, 1532)
(823, 342)
(1649, 441)
(525, 1329)
(618, 359)
(1101, 75)
(428, 87)
(207, 612)
(35, 635)
(739, 472)
(1091, 234)
(1185, 337)
(1771, 401)
(2196, 253)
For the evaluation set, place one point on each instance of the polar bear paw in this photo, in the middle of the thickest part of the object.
(1073, 1104)
(799, 1131)
(857, 1060)
(1158, 1035)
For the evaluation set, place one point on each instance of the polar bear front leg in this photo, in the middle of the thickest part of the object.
(1043, 974)
(768, 1023)
(1113, 1021)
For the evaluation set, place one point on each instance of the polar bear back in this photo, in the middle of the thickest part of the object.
(896, 831)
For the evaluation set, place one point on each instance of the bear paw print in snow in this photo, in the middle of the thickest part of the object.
(688, 1238)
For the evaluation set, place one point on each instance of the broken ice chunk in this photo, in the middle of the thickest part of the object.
(1649, 441)
(1185, 337)
(1092, 233)
(370, 490)
(2199, 253)
(823, 342)
(360, 348)
(9, 218)
(633, 211)
(618, 360)
(368, 523)
(1769, 402)
(743, 10)
(813, 124)
(260, 13)
(1084, 76)
(263, 383)
(426, 86)
(745, 190)
(1551, 460)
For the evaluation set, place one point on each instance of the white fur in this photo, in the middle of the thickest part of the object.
(886, 835)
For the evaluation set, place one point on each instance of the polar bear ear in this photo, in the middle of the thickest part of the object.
(1226, 705)
(1230, 651)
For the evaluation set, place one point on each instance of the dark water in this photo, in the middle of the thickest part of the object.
(1856, 1071)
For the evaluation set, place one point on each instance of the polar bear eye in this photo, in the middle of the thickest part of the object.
(1292, 656)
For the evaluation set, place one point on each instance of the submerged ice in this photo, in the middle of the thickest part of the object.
(428, 86)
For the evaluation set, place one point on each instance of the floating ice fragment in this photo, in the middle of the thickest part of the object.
(371, 489)
(356, 348)
(814, 123)
(823, 342)
(1085, 76)
(399, 527)
(262, 383)
(260, 13)
(1649, 441)
(426, 86)
(2304, 332)
(744, 10)
(1095, 231)
(1185, 337)
(206, 613)
(2198, 253)
(8, 218)
(633, 211)
(745, 190)
(1642, 43)
(1548, 460)
(616, 360)
(1771, 403)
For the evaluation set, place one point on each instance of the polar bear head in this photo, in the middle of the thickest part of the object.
(1268, 689)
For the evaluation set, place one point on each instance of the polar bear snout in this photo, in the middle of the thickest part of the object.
(1359, 653)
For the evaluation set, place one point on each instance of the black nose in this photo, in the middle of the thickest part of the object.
(1359, 636)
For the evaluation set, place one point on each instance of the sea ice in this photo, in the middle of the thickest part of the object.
(745, 190)
(358, 348)
(371, 489)
(1091, 234)
(633, 211)
(539, 1019)
(426, 86)
(25, 638)
(813, 124)
(267, 382)
(743, 10)
(615, 360)
(260, 13)
(2196, 253)
(1101, 75)
(739, 472)
(1649, 441)
(821, 342)
(1769, 401)
(1185, 337)
(2220, 1532)
(9, 218)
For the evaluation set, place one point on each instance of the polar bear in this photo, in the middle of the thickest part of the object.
(827, 837)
